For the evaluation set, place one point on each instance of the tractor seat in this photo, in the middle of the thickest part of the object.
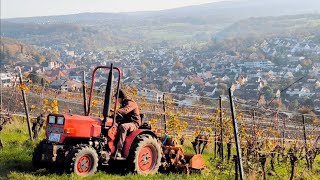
(144, 125)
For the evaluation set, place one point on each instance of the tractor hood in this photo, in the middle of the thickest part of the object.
(62, 126)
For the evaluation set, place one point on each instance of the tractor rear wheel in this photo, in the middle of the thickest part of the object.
(145, 155)
(83, 161)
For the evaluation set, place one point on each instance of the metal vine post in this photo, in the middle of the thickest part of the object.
(236, 134)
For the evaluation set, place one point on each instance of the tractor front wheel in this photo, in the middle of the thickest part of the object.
(145, 155)
(83, 161)
(37, 162)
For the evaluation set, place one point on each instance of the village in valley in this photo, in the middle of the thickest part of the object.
(264, 71)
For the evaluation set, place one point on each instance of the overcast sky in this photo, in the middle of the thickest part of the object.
(28, 8)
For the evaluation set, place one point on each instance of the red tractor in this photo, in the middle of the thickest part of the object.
(81, 143)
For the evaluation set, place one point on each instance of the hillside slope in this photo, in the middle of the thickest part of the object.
(301, 26)
(13, 52)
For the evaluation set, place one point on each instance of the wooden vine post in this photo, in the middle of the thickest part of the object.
(254, 122)
(215, 142)
(25, 104)
(236, 168)
(221, 129)
(305, 140)
(283, 131)
(236, 135)
(164, 112)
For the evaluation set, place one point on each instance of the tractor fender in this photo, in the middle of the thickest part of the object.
(131, 137)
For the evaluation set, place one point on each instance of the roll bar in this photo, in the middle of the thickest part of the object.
(108, 93)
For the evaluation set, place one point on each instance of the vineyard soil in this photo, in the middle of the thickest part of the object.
(15, 162)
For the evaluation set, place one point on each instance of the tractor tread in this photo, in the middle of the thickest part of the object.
(74, 155)
(140, 142)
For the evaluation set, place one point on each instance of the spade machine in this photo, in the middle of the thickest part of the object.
(80, 143)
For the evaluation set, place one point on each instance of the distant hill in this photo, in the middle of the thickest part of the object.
(205, 13)
(299, 26)
(76, 35)
(193, 24)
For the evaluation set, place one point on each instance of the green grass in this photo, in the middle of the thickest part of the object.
(15, 163)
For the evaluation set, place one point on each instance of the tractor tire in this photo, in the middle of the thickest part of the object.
(145, 155)
(82, 161)
(37, 162)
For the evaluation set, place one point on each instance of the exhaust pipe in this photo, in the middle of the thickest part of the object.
(84, 93)
(107, 97)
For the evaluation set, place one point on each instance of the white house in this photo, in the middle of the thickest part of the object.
(6, 79)
(303, 92)
(51, 65)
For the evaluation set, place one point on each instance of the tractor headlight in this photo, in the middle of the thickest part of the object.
(52, 119)
(60, 120)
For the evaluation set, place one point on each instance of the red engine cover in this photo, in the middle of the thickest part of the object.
(75, 126)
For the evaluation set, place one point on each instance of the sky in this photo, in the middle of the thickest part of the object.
(30, 8)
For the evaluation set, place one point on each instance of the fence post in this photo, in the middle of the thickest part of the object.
(221, 128)
(164, 112)
(84, 93)
(236, 135)
(25, 104)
